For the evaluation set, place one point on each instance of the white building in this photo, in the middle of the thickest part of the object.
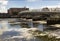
(46, 9)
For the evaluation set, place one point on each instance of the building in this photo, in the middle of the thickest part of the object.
(15, 11)
(46, 9)
(4, 15)
(57, 9)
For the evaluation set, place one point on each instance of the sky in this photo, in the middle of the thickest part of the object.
(32, 4)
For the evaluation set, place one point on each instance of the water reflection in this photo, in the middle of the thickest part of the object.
(13, 30)
(16, 32)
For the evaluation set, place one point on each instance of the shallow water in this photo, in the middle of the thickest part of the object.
(18, 31)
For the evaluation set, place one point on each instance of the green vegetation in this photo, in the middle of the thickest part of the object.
(43, 36)
(46, 38)
(35, 24)
(24, 25)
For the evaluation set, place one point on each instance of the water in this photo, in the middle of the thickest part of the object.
(18, 31)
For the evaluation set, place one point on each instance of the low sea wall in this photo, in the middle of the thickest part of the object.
(53, 21)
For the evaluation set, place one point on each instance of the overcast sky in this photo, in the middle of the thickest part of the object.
(6, 4)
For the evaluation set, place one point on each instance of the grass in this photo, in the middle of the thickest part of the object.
(44, 37)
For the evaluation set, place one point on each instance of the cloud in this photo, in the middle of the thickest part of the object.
(3, 4)
(52, 6)
(31, 8)
(31, 0)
